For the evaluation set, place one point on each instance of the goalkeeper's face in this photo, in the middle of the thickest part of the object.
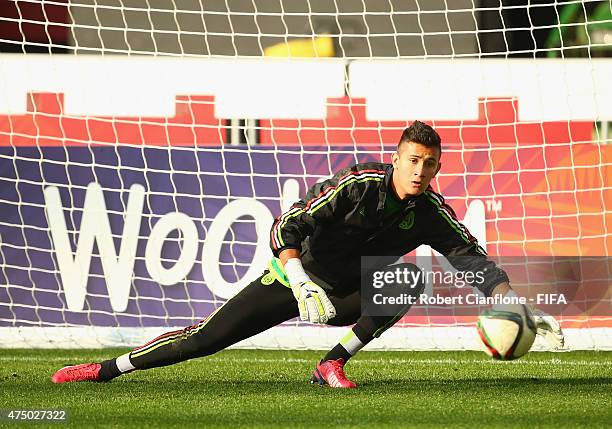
(414, 166)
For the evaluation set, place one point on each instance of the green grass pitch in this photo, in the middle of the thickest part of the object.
(250, 388)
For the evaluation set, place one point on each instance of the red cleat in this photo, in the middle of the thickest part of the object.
(82, 372)
(331, 372)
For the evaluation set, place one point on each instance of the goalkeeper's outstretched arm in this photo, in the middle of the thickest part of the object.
(452, 239)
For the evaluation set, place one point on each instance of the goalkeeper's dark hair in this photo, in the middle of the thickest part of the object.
(419, 132)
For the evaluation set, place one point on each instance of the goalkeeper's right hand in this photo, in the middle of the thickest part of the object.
(313, 303)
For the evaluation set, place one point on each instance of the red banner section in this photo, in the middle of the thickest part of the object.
(195, 124)
(497, 124)
(45, 124)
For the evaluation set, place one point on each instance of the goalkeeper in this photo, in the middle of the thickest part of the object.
(376, 209)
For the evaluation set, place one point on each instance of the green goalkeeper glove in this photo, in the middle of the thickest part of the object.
(313, 303)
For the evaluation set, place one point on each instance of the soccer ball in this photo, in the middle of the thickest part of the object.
(507, 335)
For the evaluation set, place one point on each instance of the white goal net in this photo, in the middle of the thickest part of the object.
(145, 148)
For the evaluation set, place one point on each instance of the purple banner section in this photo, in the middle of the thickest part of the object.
(196, 182)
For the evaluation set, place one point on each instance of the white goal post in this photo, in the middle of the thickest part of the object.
(144, 156)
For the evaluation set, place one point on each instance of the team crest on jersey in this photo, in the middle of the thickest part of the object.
(408, 221)
(268, 279)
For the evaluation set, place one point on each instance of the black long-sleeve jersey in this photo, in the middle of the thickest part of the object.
(342, 219)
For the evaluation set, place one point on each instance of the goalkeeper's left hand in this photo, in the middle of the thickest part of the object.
(549, 328)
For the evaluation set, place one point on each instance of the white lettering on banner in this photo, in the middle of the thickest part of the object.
(211, 251)
(118, 270)
(95, 226)
(189, 249)
(291, 193)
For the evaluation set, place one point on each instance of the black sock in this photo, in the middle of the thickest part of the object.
(338, 352)
(109, 370)
(341, 352)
